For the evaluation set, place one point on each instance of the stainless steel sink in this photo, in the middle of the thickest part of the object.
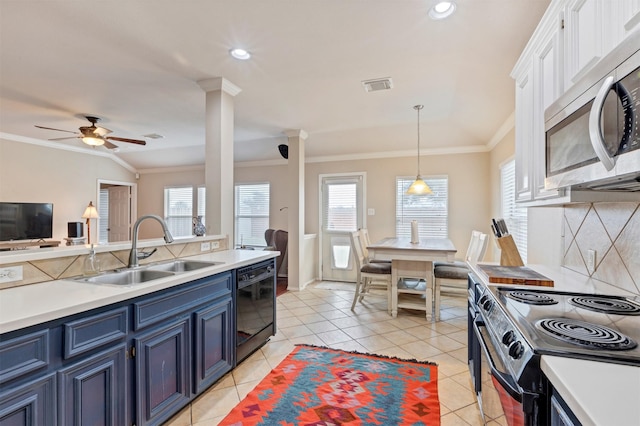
(178, 266)
(127, 277)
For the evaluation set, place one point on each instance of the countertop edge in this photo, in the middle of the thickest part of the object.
(53, 300)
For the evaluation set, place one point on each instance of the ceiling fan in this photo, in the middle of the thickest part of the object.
(94, 135)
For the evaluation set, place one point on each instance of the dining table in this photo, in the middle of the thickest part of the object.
(415, 261)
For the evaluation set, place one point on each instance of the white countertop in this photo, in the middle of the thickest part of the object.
(598, 393)
(32, 304)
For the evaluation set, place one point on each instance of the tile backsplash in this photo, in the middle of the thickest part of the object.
(612, 231)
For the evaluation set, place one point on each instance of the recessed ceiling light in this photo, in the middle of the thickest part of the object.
(240, 54)
(442, 10)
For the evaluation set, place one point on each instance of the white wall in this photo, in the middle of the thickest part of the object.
(68, 179)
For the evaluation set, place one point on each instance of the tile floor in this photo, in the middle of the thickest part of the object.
(321, 315)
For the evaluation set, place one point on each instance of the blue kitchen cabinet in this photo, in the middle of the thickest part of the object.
(213, 343)
(138, 361)
(163, 364)
(30, 404)
(93, 391)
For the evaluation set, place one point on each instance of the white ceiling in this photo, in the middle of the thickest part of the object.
(136, 65)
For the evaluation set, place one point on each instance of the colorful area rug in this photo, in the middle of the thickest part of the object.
(321, 386)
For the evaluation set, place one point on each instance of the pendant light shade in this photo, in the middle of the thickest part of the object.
(419, 186)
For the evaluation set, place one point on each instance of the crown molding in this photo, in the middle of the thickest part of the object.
(81, 150)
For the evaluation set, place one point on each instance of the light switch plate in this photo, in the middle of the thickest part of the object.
(10, 274)
(371, 212)
(215, 244)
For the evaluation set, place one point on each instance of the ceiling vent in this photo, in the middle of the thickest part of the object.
(378, 84)
(153, 136)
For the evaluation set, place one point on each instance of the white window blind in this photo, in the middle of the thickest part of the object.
(514, 216)
(178, 210)
(431, 211)
(341, 211)
(201, 203)
(103, 232)
(251, 214)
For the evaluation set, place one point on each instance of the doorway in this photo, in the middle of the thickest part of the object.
(342, 212)
(116, 207)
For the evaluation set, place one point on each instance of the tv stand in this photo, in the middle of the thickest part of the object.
(18, 245)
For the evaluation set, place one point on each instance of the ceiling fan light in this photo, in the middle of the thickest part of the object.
(419, 187)
(93, 141)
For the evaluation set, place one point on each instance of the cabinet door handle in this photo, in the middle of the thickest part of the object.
(595, 130)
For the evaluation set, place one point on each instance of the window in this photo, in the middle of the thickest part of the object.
(513, 215)
(431, 211)
(179, 209)
(251, 214)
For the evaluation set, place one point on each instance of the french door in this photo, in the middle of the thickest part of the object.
(342, 205)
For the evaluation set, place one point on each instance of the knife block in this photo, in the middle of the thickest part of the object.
(509, 254)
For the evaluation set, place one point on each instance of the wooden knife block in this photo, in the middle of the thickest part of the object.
(509, 254)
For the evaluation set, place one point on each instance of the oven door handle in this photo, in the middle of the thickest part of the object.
(499, 376)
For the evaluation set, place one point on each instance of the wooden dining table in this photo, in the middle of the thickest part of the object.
(412, 260)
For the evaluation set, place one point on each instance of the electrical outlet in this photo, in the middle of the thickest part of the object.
(215, 244)
(591, 260)
(205, 246)
(10, 274)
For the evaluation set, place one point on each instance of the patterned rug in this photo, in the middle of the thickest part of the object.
(320, 386)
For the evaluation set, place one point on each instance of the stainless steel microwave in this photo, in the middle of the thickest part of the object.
(592, 132)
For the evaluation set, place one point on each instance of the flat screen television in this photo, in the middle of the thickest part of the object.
(26, 221)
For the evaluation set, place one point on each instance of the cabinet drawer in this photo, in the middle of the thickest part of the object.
(23, 355)
(89, 333)
(159, 308)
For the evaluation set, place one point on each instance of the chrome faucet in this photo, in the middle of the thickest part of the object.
(134, 256)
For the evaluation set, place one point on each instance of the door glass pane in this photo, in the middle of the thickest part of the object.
(342, 214)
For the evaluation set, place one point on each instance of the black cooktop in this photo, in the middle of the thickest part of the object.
(595, 326)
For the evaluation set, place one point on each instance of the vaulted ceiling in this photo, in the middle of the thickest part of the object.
(136, 64)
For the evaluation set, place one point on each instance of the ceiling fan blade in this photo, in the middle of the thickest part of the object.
(58, 130)
(61, 139)
(102, 131)
(110, 145)
(136, 141)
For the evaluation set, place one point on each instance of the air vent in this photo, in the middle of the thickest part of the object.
(378, 84)
(153, 136)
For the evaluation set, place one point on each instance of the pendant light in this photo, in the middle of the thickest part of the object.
(419, 186)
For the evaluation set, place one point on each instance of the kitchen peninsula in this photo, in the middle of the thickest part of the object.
(74, 348)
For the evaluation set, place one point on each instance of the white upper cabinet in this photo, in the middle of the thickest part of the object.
(630, 16)
(584, 37)
(524, 132)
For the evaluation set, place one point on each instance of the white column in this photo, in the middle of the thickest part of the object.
(219, 155)
(295, 173)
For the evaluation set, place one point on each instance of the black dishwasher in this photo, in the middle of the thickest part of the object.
(255, 307)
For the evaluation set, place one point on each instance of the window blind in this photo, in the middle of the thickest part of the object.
(341, 205)
(513, 215)
(251, 214)
(431, 211)
(178, 210)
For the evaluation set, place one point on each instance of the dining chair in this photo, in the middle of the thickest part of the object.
(366, 242)
(453, 275)
(371, 276)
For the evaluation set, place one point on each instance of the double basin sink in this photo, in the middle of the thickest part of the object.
(143, 274)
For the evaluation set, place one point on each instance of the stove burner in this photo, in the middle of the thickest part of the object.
(585, 334)
(606, 305)
(531, 298)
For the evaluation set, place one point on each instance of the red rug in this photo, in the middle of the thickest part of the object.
(320, 386)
